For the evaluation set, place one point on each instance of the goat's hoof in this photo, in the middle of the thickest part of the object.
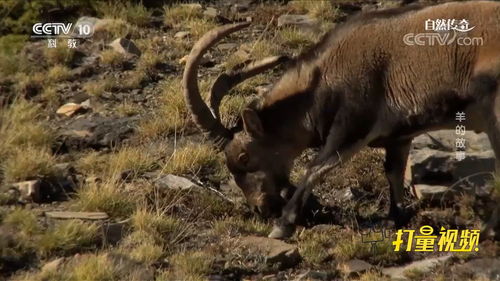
(282, 231)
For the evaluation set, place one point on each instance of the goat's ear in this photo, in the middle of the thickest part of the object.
(252, 123)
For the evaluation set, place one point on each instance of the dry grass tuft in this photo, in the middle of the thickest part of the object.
(25, 143)
(191, 158)
(68, 237)
(132, 160)
(314, 245)
(373, 276)
(296, 39)
(178, 15)
(142, 247)
(98, 87)
(233, 226)
(148, 62)
(192, 265)
(20, 125)
(28, 163)
(60, 55)
(108, 197)
(49, 95)
(115, 28)
(321, 9)
(198, 27)
(29, 85)
(112, 58)
(127, 108)
(172, 116)
(24, 221)
(131, 12)
(164, 228)
(58, 73)
(231, 108)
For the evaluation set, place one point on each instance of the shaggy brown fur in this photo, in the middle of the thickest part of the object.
(360, 85)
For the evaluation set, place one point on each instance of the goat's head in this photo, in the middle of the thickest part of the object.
(258, 162)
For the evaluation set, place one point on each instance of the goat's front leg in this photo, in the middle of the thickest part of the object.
(330, 157)
(396, 156)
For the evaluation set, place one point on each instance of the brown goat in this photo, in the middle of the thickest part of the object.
(361, 85)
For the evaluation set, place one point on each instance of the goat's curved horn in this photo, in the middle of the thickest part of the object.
(228, 80)
(202, 115)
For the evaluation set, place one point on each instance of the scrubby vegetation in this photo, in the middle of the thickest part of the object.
(128, 128)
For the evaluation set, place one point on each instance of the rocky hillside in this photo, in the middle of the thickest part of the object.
(104, 176)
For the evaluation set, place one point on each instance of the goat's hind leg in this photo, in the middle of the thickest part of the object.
(493, 130)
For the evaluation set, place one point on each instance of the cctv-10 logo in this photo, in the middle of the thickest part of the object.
(51, 30)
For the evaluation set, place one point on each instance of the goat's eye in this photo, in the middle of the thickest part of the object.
(243, 158)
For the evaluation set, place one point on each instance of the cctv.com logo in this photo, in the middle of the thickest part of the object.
(440, 39)
(65, 30)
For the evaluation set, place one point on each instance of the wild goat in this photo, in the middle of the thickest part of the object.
(362, 85)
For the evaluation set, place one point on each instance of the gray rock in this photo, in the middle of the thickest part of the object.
(192, 5)
(240, 7)
(174, 182)
(29, 190)
(430, 192)
(125, 47)
(211, 12)
(488, 268)
(227, 46)
(182, 34)
(65, 215)
(203, 61)
(52, 265)
(445, 140)
(114, 232)
(274, 251)
(430, 166)
(96, 131)
(70, 109)
(354, 266)
(311, 275)
(426, 265)
(302, 22)
(389, 4)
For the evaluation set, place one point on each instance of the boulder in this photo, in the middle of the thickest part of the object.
(302, 22)
(211, 12)
(487, 268)
(114, 232)
(182, 34)
(275, 251)
(424, 266)
(29, 190)
(174, 182)
(444, 140)
(203, 61)
(125, 47)
(226, 46)
(77, 215)
(96, 131)
(354, 266)
(53, 265)
(192, 5)
(430, 192)
(311, 275)
(429, 166)
(70, 109)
